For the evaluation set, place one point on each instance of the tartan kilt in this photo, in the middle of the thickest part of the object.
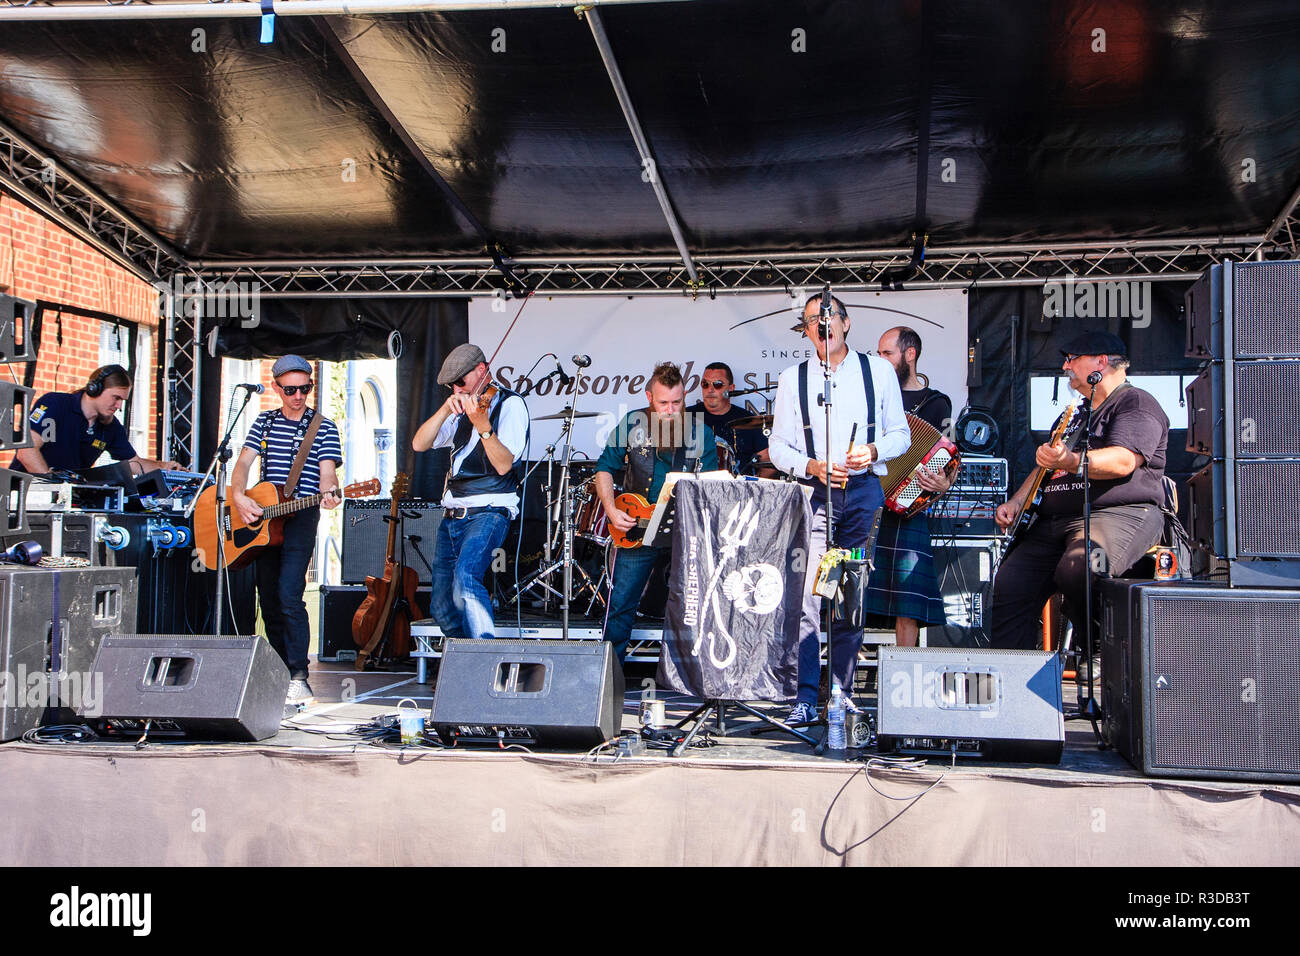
(904, 583)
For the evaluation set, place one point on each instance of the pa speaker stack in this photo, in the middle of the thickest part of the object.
(1243, 321)
(15, 410)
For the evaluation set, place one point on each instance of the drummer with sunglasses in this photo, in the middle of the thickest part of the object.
(749, 445)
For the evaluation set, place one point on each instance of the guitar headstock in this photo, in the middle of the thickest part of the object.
(401, 486)
(363, 489)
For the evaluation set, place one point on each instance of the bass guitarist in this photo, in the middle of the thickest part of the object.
(652, 441)
(280, 437)
(1129, 433)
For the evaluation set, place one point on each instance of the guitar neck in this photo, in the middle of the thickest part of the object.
(289, 507)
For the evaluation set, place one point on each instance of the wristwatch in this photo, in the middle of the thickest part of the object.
(484, 436)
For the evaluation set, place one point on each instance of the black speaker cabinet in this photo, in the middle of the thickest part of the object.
(338, 605)
(229, 688)
(993, 704)
(365, 537)
(1200, 680)
(1258, 301)
(964, 567)
(52, 621)
(552, 693)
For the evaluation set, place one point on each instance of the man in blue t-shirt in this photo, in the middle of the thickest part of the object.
(276, 437)
(71, 430)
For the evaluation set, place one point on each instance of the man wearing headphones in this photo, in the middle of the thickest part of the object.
(70, 430)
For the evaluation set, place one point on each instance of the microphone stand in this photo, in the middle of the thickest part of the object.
(218, 464)
(1088, 707)
(823, 329)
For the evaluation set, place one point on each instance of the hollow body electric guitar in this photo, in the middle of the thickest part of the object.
(1029, 514)
(634, 506)
(241, 541)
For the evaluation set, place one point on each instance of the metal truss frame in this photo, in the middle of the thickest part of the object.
(943, 268)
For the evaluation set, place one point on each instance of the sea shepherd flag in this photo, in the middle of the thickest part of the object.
(731, 628)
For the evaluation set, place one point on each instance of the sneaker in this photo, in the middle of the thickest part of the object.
(299, 693)
(801, 713)
(850, 707)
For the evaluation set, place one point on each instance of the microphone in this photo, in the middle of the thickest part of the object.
(1094, 378)
(582, 361)
(255, 389)
(824, 324)
(565, 381)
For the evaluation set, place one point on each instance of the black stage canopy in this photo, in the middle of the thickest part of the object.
(773, 125)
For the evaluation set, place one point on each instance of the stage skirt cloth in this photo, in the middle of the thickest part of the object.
(904, 583)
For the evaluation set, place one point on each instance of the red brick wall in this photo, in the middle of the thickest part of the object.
(41, 260)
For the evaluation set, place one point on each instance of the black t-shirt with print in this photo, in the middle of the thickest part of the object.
(1129, 418)
(930, 405)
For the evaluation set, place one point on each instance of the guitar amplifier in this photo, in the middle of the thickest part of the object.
(365, 537)
(338, 605)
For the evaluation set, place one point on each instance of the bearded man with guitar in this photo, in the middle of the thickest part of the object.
(300, 450)
(652, 442)
(1129, 433)
(486, 428)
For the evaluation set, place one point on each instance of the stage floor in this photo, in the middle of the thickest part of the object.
(311, 798)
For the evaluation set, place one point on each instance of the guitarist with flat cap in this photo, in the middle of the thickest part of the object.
(293, 441)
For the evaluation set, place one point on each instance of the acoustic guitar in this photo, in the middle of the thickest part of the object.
(1029, 514)
(384, 618)
(243, 541)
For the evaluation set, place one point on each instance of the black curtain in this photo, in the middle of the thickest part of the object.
(417, 332)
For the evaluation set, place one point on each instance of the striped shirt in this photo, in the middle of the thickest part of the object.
(275, 439)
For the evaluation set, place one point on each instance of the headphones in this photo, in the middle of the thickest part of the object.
(95, 387)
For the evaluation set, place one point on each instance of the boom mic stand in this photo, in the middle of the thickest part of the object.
(218, 464)
(1089, 709)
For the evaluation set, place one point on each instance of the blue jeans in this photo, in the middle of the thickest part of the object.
(461, 604)
(854, 510)
(632, 569)
(281, 579)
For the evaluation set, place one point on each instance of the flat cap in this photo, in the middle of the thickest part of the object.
(462, 360)
(290, 363)
(1095, 343)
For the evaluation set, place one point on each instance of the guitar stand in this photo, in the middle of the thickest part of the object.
(717, 708)
(379, 659)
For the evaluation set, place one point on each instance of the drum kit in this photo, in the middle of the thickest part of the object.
(576, 518)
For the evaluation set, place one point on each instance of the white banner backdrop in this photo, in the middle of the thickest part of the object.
(627, 337)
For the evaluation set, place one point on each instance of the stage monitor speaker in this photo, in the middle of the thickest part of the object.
(992, 704)
(550, 693)
(209, 688)
(1200, 680)
(1260, 301)
(338, 605)
(365, 537)
(964, 567)
(52, 621)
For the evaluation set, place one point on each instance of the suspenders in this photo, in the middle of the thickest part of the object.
(867, 384)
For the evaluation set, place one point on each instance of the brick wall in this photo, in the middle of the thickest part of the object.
(41, 260)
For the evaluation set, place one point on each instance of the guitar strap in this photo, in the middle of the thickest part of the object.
(303, 450)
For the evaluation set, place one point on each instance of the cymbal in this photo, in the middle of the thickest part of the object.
(753, 421)
(564, 414)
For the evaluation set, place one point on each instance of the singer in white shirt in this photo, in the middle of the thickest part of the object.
(879, 432)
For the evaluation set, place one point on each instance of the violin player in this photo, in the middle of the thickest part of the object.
(486, 428)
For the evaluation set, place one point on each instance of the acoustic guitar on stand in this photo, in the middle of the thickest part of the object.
(243, 541)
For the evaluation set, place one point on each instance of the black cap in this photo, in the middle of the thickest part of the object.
(1095, 343)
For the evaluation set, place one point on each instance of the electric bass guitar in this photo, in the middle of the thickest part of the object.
(1029, 514)
(242, 541)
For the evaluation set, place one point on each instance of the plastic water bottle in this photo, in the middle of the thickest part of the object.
(835, 718)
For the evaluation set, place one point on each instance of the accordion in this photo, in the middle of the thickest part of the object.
(931, 452)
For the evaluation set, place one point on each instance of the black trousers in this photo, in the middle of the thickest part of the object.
(1051, 558)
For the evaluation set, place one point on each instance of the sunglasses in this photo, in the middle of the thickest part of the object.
(708, 384)
(295, 389)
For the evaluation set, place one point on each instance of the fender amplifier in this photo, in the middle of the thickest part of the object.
(365, 537)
